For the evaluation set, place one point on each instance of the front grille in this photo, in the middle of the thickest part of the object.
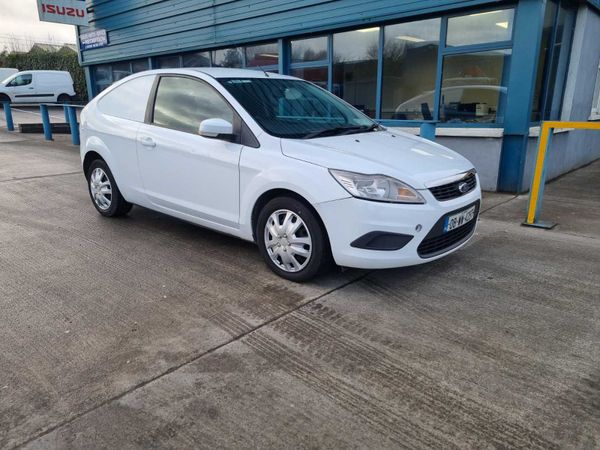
(440, 244)
(451, 190)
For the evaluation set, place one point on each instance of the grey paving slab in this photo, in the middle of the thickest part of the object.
(147, 332)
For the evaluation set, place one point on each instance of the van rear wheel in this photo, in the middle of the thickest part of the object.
(63, 98)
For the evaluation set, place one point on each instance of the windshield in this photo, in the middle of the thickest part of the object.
(295, 108)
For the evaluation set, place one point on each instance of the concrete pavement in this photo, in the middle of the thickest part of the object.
(148, 332)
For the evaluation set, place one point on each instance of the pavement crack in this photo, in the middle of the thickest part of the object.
(35, 177)
(188, 361)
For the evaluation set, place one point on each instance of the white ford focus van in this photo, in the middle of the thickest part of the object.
(279, 161)
(35, 86)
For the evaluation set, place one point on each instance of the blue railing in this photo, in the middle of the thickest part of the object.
(70, 111)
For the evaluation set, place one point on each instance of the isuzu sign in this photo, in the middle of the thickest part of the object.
(72, 12)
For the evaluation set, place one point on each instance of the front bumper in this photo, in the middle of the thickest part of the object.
(348, 219)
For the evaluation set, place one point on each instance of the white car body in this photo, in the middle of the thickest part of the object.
(216, 184)
(37, 86)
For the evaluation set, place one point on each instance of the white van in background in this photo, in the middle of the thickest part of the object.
(35, 86)
(6, 72)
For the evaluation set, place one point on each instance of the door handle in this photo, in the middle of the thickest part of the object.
(147, 141)
(30, 88)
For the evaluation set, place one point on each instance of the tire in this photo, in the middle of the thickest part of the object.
(4, 98)
(287, 258)
(109, 203)
(63, 98)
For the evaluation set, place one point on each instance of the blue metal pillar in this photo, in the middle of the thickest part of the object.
(46, 122)
(66, 110)
(428, 131)
(284, 56)
(8, 115)
(73, 125)
(528, 26)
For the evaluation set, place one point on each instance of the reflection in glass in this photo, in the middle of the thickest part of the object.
(313, 49)
(296, 109)
(199, 59)
(355, 68)
(182, 103)
(490, 26)
(228, 57)
(410, 54)
(167, 62)
(120, 70)
(102, 77)
(262, 55)
(317, 75)
(473, 88)
(139, 65)
(128, 100)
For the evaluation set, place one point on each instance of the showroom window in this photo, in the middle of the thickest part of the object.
(472, 87)
(410, 58)
(559, 22)
(197, 59)
(310, 60)
(481, 27)
(355, 68)
(263, 56)
(228, 57)
(168, 62)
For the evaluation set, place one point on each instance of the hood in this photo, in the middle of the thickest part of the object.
(407, 158)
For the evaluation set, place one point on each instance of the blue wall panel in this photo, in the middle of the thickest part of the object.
(139, 28)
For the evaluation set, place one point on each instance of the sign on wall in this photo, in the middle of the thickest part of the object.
(72, 12)
(93, 39)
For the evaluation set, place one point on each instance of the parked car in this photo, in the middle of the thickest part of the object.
(6, 72)
(34, 86)
(279, 161)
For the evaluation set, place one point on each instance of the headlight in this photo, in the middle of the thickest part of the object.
(376, 187)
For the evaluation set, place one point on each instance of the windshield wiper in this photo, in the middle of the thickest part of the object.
(341, 131)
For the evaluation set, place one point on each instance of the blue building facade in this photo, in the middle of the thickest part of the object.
(485, 72)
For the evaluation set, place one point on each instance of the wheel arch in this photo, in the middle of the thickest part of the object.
(89, 158)
(269, 195)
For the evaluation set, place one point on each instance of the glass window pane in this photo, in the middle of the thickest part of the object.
(410, 55)
(295, 109)
(182, 103)
(102, 77)
(228, 57)
(140, 65)
(317, 75)
(545, 51)
(200, 59)
(355, 68)
(120, 70)
(129, 100)
(490, 26)
(472, 87)
(313, 49)
(262, 55)
(167, 62)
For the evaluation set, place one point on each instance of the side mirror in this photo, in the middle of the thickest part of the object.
(216, 129)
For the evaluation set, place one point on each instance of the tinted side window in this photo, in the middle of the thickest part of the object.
(182, 103)
(21, 80)
(129, 100)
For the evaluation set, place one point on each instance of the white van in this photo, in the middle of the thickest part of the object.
(6, 72)
(35, 86)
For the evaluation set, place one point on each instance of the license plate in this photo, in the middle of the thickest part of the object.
(459, 219)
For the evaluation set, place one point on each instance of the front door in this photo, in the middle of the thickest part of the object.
(181, 170)
(22, 88)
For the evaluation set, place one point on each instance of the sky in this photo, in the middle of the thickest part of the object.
(19, 21)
